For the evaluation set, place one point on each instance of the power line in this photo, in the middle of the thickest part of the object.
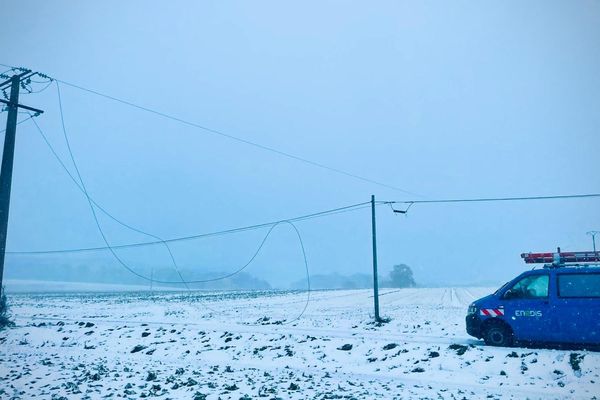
(349, 208)
(20, 122)
(494, 199)
(47, 85)
(251, 260)
(352, 207)
(320, 214)
(238, 139)
(231, 137)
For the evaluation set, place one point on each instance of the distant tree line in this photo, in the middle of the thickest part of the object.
(108, 273)
(401, 276)
(99, 271)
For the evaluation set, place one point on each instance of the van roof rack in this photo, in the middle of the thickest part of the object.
(562, 259)
(572, 265)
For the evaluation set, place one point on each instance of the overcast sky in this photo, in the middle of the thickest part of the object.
(461, 99)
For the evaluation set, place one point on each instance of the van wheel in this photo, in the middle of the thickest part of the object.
(498, 335)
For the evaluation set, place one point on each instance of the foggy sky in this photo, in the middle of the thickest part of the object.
(444, 100)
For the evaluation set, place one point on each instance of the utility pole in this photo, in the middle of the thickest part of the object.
(375, 279)
(8, 157)
(593, 235)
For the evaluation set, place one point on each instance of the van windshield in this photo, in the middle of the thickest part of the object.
(529, 287)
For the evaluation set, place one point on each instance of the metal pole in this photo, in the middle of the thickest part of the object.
(593, 235)
(375, 279)
(7, 167)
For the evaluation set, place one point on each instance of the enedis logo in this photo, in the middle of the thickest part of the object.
(528, 313)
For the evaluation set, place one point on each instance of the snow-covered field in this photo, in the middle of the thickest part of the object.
(240, 346)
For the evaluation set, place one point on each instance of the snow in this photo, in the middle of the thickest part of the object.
(240, 345)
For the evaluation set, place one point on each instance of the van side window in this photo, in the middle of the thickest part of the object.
(530, 287)
(579, 285)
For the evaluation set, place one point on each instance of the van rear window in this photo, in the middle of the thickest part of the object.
(579, 285)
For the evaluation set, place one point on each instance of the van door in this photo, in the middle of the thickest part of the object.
(527, 308)
(578, 307)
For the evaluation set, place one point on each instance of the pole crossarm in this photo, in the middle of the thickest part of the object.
(35, 110)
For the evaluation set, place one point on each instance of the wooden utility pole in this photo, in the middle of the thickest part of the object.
(375, 279)
(7, 159)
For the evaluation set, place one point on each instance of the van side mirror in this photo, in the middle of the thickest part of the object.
(510, 294)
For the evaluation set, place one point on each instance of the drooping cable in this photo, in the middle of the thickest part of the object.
(104, 211)
(152, 280)
(172, 257)
(87, 196)
(307, 274)
(115, 255)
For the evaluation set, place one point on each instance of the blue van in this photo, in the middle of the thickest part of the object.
(556, 304)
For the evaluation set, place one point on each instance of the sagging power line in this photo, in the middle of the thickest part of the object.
(102, 209)
(320, 214)
(174, 263)
(79, 182)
